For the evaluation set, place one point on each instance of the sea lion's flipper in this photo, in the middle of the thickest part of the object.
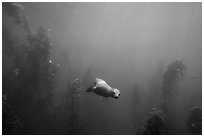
(91, 89)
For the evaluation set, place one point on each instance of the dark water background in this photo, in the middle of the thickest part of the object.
(129, 45)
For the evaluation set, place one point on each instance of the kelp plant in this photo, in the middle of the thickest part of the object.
(28, 67)
(171, 77)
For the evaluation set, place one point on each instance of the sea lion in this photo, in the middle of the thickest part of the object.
(101, 88)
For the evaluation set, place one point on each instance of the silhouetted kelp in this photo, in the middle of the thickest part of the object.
(31, 72)
(155, 124)
(171, 77)
(13, 11)
(158, 122)
(10, 120)
(194, 121)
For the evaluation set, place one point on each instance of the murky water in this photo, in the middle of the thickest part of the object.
(131, 46)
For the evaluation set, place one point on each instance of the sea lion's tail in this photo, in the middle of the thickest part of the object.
(90, 89)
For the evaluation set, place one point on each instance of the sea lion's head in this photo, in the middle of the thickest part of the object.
(116, 93)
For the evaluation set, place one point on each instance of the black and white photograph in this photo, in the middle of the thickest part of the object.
(101, 68)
